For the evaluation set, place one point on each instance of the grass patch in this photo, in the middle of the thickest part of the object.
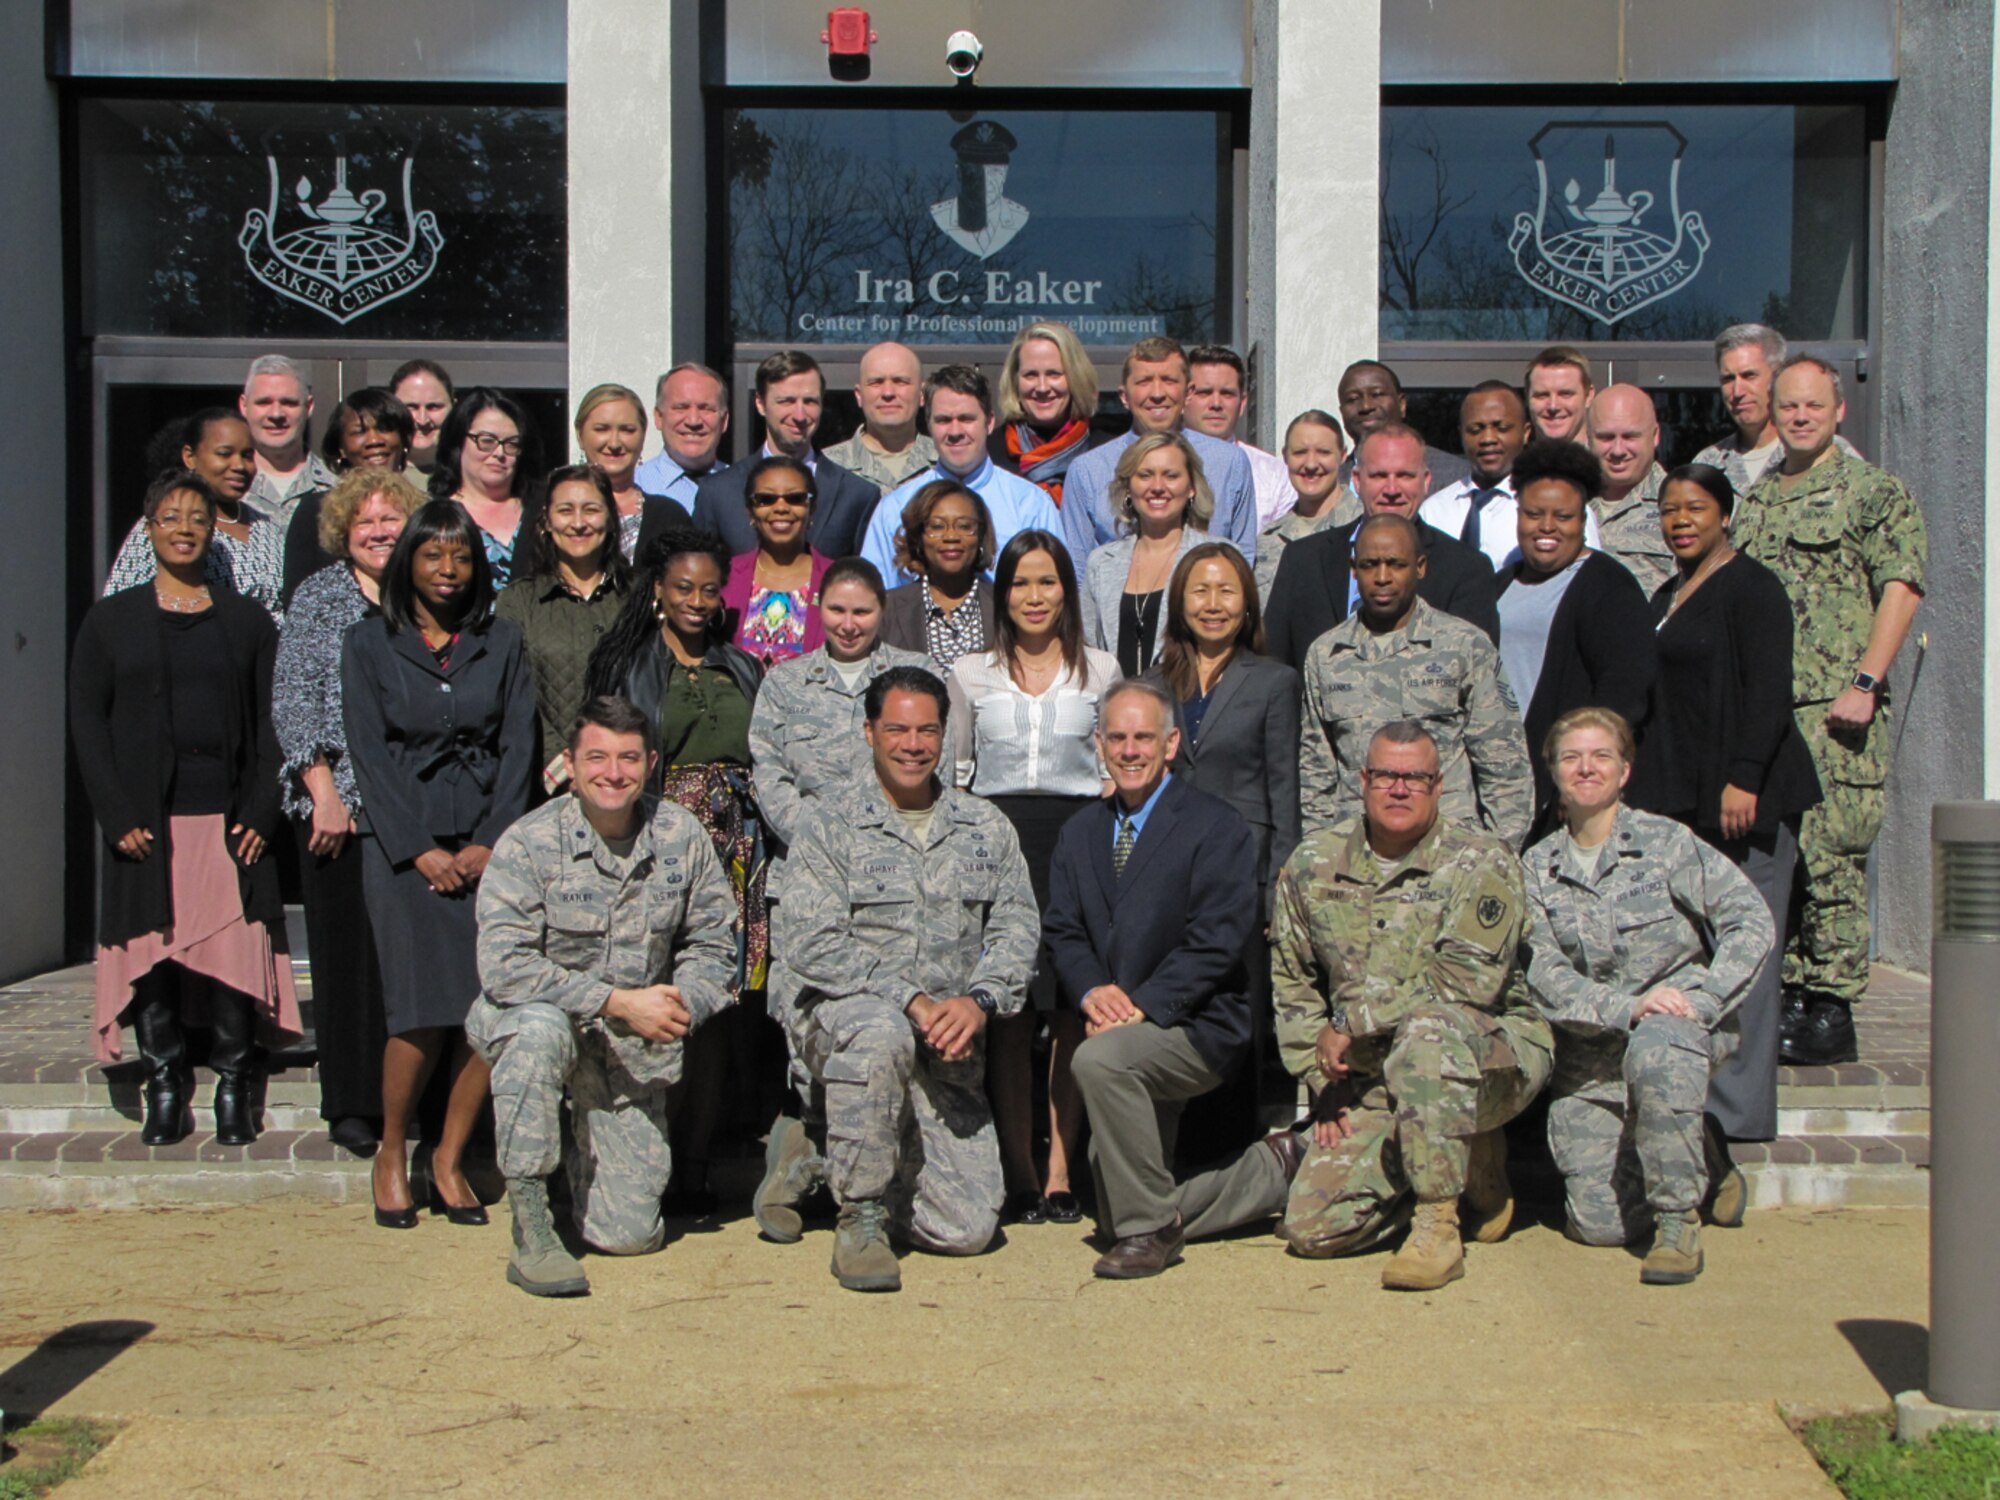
(41, 1455)
(1860, 1454)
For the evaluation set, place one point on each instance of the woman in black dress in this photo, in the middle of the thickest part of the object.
(170, 711)
(440, 715)
(1724, 755)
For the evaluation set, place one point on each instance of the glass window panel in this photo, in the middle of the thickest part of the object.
(300, 220)
(1561, 222)
(851, 226)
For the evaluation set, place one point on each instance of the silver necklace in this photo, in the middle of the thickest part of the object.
(188, 605)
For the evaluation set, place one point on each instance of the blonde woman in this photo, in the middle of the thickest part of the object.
(1048, 394)
(1163, 504)
(611, 434)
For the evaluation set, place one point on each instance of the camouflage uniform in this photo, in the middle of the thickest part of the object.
(867, 919)
(1630, 531)
(805, 732)
(1730, 456)
(1439, 671)
(1293, 527)
(1837, 539)
(1653, 905)
(1446, 1045)
(884, 470)
(563, 921)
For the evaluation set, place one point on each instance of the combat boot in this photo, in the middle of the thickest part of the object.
(1433, 1255)
(792, 1168)
(1827, 1037)
(1728, 1193)
(862, 1259)
(540, 1266)
(1488, 1196)
(1675, 1258)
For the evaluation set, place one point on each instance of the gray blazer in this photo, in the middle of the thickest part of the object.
(1104, 588)
(1248, 755)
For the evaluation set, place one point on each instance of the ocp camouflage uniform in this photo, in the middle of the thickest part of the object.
(1293, 527)
(1836, 539)
(1439, 671)
(884, 470)
(1652, 905)
(1629, 530)
(563, 921)
(869, 917)
(1446, 1045)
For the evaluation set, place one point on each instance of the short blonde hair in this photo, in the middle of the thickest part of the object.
(604, 395)
(1607, 719)
(1200, 508)
(350, 492)
(1077, 370)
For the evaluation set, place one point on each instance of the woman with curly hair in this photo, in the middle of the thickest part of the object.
(946, 540)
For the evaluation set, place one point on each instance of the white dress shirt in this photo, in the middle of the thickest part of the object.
(1005, 741)
(1499, 520)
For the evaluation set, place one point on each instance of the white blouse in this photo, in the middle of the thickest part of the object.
(1006, 742)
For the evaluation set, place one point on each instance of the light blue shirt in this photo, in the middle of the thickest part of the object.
(1089, 522)
(1119, 816)
(1017, 504)
(660, 475)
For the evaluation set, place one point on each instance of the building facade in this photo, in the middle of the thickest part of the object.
(545, 195)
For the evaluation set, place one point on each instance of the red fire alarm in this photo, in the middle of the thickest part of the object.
(847, 34)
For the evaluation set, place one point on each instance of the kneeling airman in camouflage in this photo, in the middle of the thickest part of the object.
(605, 936)
(1642, 941)
(1399, 1002)
(905, 921)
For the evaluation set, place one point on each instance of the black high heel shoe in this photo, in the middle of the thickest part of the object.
(472, 1217)
(391, 1218)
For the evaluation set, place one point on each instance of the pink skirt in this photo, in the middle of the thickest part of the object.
(209, 937)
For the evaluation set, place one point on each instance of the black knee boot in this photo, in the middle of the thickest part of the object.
(234, 1058)
(156, 1021)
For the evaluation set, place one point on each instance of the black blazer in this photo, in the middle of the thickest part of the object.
(839, 516)
(118, 714)
(1248, 755)
(657, 514)
(439, 755)
(1600, 655)
(903, 615)
(1309, 592)
(1722, 705)
(303, 555)
(1173, 932)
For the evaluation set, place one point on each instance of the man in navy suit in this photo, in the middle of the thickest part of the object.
(790, 394)
(1152, 907)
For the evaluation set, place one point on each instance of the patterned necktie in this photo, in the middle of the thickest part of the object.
(1121, 848)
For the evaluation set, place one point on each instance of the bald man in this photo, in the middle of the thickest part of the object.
(1624, 433)
(888, 449)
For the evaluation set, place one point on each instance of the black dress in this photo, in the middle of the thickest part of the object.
(444, 753)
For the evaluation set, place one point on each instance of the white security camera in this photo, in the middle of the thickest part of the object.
(962, 53)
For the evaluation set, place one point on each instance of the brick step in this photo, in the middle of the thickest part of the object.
(113, 1169)
(1845, 1121)
(1844, 1170)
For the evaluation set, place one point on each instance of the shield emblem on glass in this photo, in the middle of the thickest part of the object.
(1608, 235)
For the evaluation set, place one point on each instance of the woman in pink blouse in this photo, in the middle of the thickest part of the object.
(773, 593)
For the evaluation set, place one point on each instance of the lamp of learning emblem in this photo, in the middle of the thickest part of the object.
(350, 254)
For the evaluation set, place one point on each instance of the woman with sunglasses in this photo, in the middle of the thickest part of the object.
(772, 593)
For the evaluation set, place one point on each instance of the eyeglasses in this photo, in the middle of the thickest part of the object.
(487, 442)
(763, 498)
(168, 520)
(1416, 781)
(951, 528)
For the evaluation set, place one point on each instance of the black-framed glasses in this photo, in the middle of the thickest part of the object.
(762, 499)
(487, 442)
(1416, 781)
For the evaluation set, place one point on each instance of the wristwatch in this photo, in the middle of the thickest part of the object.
(1866, 683)
(986, 1002)
(1336, 1017)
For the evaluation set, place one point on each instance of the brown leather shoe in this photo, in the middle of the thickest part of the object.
(1139, 1255)
(1289, 1146)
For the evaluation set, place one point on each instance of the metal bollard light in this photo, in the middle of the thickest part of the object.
(1965, 1107)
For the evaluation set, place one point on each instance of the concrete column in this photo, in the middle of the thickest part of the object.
(1937, 435)
(33, 598)
(1315, 127)
(637, 222)
(1992, 570)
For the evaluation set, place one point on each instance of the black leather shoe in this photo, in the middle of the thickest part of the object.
(472, 1217)
(1024, 1207)
(1062, 1208)
(1792, 1015)
(235, 1112)
(1828, 1037)
(355, 1134)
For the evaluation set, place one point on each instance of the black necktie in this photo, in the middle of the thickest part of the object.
(1475, 503)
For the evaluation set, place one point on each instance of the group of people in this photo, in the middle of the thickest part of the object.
(808, 794)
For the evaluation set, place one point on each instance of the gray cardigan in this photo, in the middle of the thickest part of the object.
(1104, 588)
